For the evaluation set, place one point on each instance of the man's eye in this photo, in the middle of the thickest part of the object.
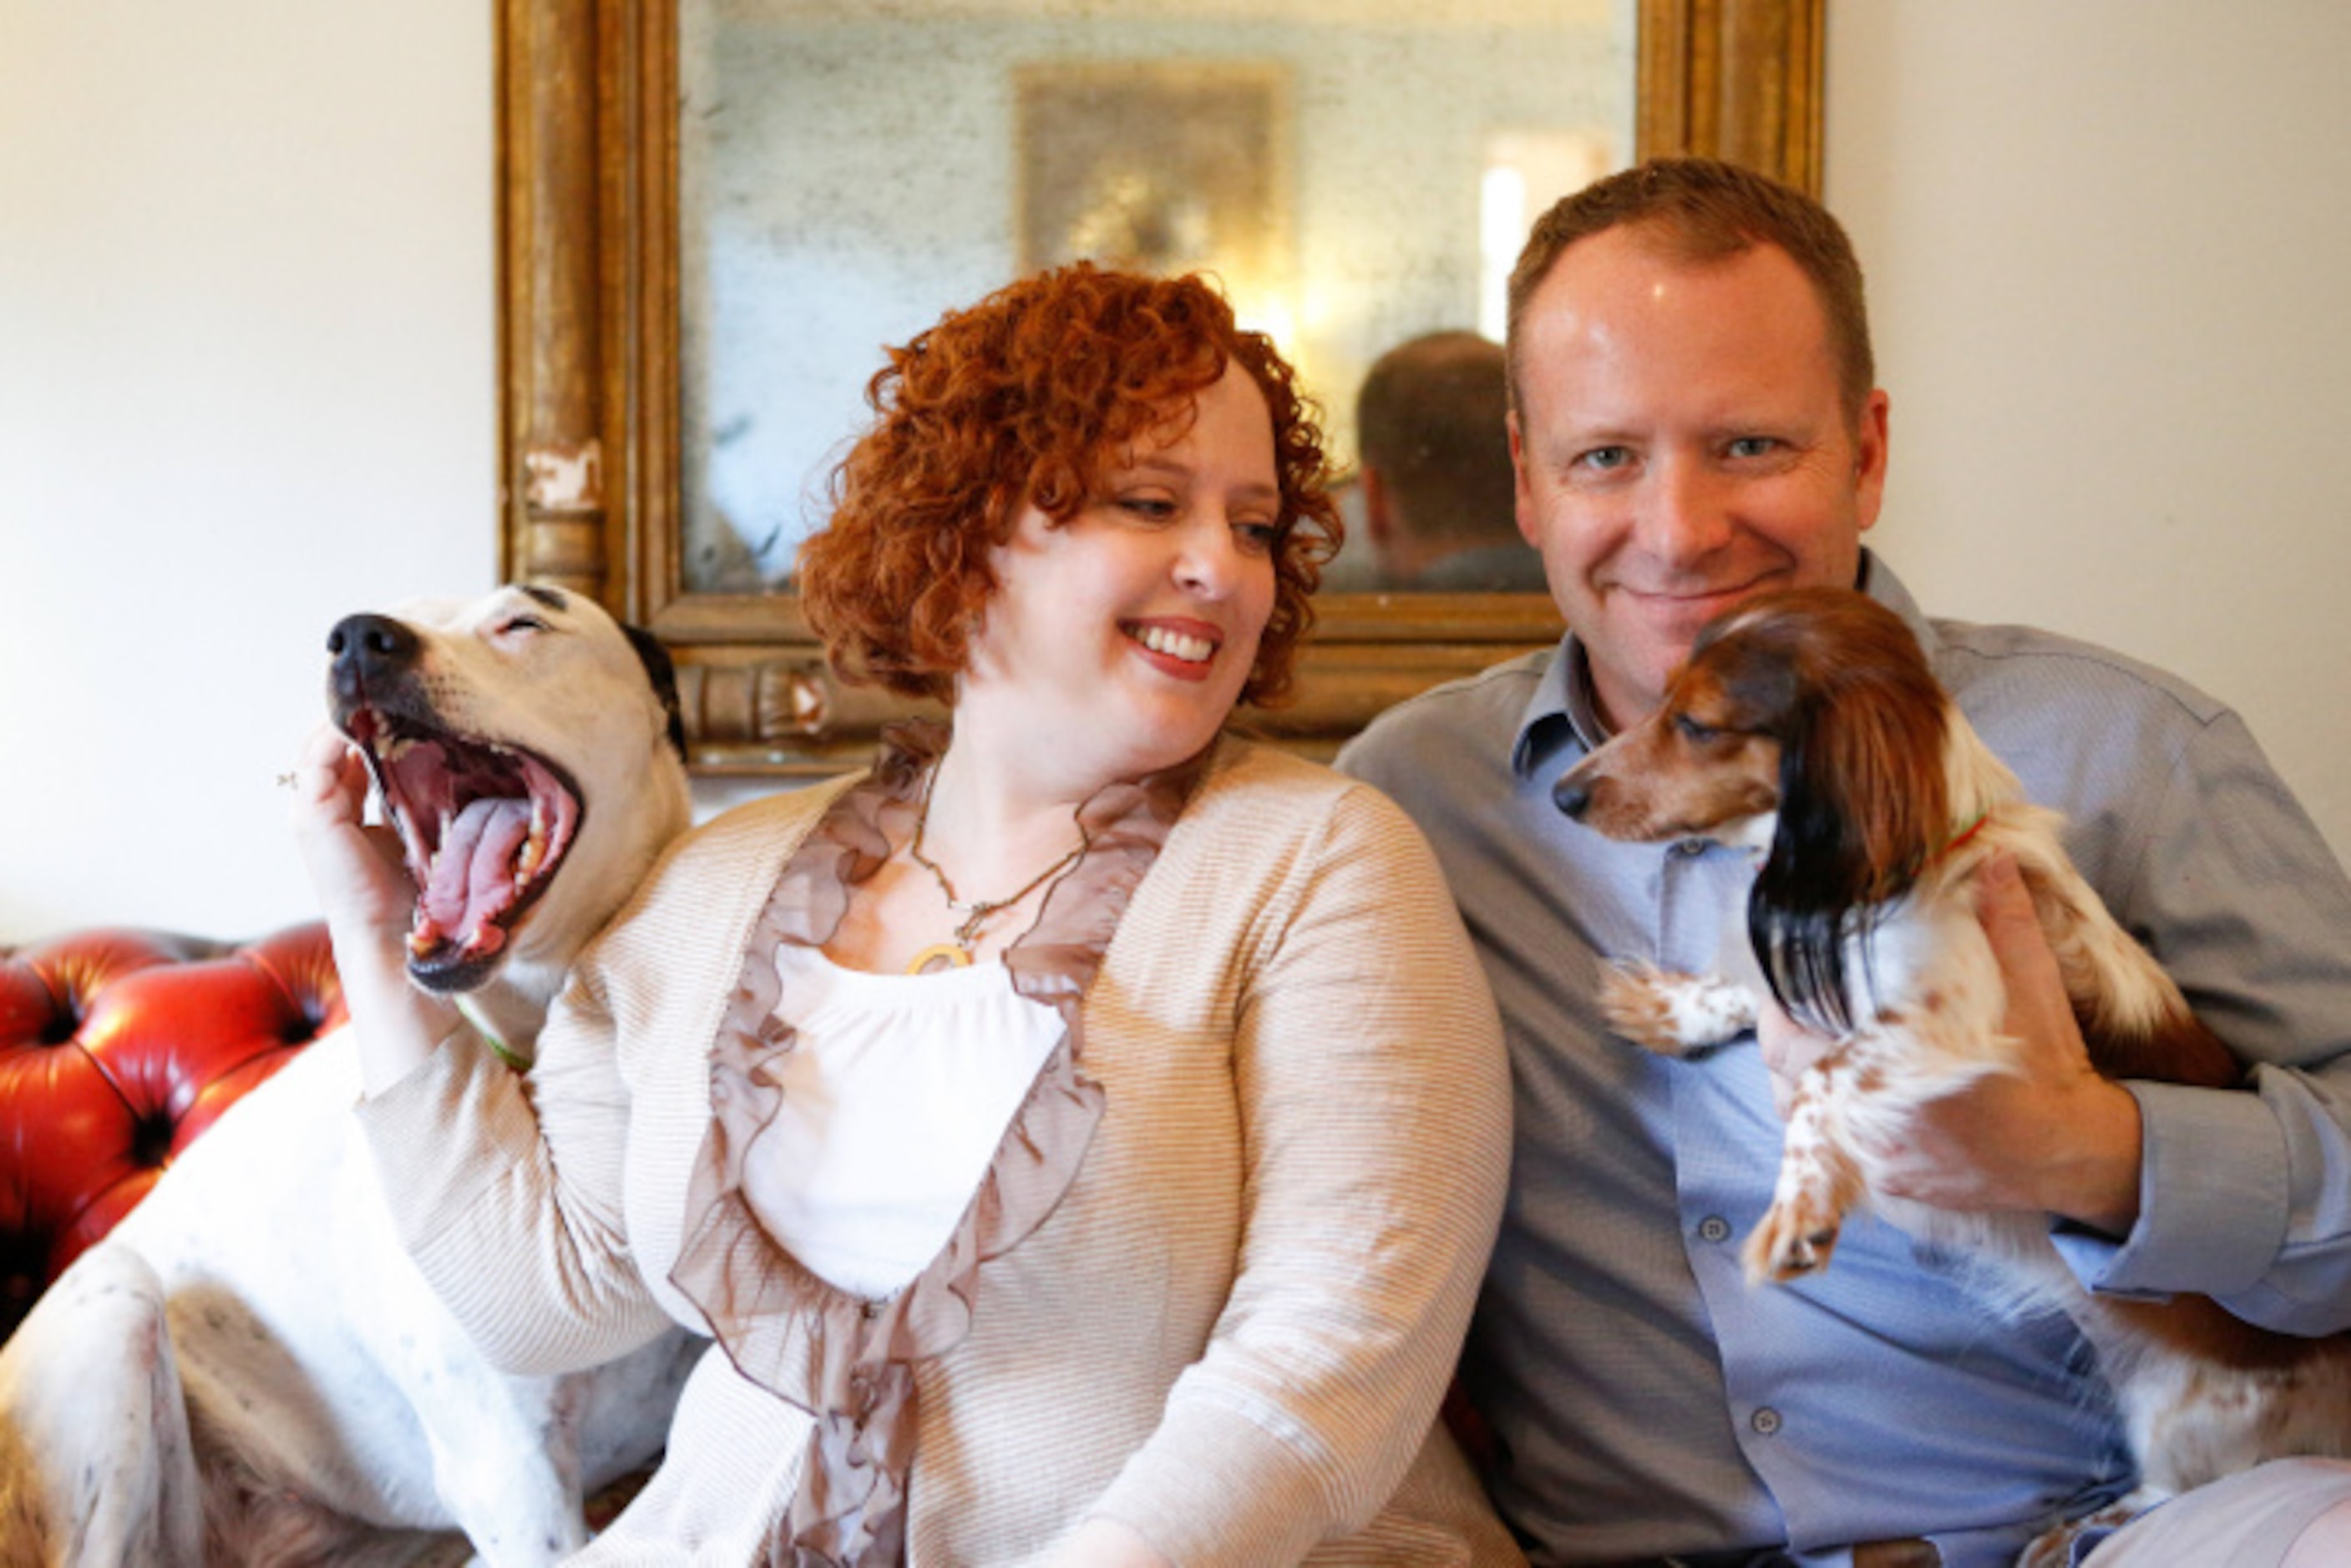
(1754, 446)
(522, 623)
(1607, 459)
(1695, 731)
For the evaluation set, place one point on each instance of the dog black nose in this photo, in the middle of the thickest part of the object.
(363, 645)
(1570, 798)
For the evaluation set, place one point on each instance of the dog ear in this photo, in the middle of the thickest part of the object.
(1863, 806)
(663, 672)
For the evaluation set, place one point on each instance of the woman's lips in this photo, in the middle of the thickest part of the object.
(1185, 650)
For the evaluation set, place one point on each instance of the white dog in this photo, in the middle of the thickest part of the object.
(248, 1369)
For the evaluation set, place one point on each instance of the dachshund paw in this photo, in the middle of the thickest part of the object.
(1674, 1014)
(1795, 1239)
(2053, 1547)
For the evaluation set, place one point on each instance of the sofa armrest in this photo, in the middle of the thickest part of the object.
(118, 1047)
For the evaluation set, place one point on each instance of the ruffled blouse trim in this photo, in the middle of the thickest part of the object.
(846, 1360)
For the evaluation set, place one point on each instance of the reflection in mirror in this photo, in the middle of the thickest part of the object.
(1358, 172)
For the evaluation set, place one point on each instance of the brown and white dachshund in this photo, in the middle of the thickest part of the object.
(1806, 725)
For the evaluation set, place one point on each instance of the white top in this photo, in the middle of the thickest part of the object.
(894, 1097)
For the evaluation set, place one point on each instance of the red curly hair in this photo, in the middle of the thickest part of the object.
(1029, 398)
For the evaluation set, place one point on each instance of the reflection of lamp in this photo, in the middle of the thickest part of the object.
(1265, 310)
(1526, 171)
(1501, 229)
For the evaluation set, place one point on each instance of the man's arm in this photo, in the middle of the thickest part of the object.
(2222, 1192)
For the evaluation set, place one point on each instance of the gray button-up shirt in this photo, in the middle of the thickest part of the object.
(1646, 1398)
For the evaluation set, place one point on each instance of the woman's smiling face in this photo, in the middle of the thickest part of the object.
(1123, 637)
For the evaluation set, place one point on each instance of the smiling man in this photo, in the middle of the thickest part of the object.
(1683, 440)
(1695, 419)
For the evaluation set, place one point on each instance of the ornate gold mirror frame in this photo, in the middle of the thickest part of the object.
(589, 390)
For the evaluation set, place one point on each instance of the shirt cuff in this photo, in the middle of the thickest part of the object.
(1214, 1487)
(2212, 1199)
(420, 1127)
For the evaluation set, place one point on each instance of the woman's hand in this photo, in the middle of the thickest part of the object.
(368, 898)
(357, 871)
(2054, 1135)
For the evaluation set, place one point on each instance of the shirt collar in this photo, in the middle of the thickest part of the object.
(1878, 581)
(1553, 711)
(1563, 701)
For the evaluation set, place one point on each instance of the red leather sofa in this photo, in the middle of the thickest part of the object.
(117, 1048)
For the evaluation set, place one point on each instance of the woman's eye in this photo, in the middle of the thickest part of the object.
(1258, 538)
(1695, 731)
(1152, 508)
(522, 623)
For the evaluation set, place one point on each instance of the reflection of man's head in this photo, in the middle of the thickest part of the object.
(1698, 210)
(1436, 452)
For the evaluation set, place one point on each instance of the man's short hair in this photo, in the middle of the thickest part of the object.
(1700, 210)
(1430, 418)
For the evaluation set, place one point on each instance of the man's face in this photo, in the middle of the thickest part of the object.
(1681, 445)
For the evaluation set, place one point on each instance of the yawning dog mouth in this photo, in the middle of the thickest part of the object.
(484, 828)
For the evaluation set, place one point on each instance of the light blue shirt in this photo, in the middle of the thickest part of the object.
(1648, 1401)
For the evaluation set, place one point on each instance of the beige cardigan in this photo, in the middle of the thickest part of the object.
(1233, 1330)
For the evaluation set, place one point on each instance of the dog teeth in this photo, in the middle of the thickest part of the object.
(534, 848)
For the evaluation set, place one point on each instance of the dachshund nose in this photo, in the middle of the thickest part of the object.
(1572, 797)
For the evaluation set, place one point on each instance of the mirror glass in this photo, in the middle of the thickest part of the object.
(1357, 172)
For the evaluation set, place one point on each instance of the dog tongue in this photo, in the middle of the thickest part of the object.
(473, 877)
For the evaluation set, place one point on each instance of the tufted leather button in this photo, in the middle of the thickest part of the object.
(119, 1047)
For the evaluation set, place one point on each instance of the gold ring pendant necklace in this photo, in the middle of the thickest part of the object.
(956, 953)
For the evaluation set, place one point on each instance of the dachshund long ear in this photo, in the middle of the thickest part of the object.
(1864, 804)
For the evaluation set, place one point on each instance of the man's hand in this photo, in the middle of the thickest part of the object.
(2054, 1136)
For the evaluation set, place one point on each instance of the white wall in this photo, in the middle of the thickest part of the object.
(246, 386)
(2106, 244)
(247, 365)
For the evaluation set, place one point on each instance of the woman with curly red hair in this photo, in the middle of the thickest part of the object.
(1083, 1131)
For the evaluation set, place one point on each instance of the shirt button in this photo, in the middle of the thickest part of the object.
(1765, 1421)
(1714, 1227)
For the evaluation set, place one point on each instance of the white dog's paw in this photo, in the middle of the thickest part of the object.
(1674, 1014)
